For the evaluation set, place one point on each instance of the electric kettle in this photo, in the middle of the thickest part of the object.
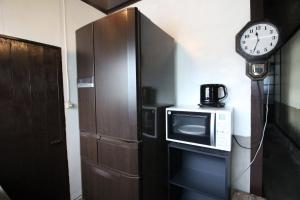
(212, 95)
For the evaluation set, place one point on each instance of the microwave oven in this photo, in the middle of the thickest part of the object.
(205, 127)
(153, 121)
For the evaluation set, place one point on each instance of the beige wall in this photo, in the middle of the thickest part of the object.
(205, 33)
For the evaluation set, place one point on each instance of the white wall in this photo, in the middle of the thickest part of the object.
(204, 31)
(290, 85)
(31, 19)
(42, 21)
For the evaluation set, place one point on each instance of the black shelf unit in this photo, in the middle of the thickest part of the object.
(197, 173)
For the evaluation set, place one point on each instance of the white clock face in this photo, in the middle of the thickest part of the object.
(259, 39)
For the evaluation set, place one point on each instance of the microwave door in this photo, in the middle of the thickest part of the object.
(190, 127)
(212, 129)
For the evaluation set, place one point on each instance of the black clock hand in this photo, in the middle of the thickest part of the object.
(256, 42)
(255, 46)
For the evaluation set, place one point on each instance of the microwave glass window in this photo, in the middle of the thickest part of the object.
(190, 125)
(148, 122)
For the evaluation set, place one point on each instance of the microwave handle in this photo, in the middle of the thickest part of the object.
(212, 129)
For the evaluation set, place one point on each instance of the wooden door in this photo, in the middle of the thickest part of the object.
(32, 127)
(116, 75)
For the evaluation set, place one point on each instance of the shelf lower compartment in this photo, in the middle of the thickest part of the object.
(195, 174)
(179, 193)
(200, 182)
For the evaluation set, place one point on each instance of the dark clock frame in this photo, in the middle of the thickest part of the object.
(255, 58)
(259, 77)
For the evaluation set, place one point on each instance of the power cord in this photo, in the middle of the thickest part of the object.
(254, 143)
(262, 138)
(235, 139)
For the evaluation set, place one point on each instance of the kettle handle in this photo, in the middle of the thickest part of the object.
(225, 92)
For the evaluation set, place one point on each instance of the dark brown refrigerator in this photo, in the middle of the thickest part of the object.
(125, 82)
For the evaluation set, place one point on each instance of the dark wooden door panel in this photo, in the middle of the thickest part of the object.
(116, 75)
(32, 117)
(87, 110)
(37, 141)
(53, 97)
(6, 92)
(85, 51)
(38, 92)
(21, 85)
(122, 156)
(15, 86)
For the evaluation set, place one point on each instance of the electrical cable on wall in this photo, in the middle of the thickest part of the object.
(262, 138)
(68, 103)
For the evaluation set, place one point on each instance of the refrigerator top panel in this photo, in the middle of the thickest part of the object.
(109, 6)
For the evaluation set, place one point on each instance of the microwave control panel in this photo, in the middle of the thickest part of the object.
(223, 130)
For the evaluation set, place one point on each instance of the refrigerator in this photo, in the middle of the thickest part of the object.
(126, 79)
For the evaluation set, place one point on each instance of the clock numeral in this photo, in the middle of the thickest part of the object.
(265, 27)
(271, 44)
(243, 42)
(251, 31)
(258, 51)
(265, 49)
(273, 37)
(258, 28)
(246, 47)
(247, 36)
(271, 31)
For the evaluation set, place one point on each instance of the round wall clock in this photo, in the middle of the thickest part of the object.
(257, 41)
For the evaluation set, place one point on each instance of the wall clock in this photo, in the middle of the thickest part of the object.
(257, 41)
